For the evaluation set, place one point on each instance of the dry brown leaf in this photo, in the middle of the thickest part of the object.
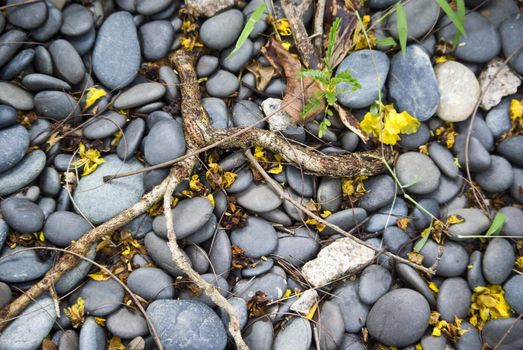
(341, 9)
(299, 90)
(351, 122)
(47, 344)
(263, 74)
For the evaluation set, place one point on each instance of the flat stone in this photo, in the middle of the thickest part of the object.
(8, 116)
(454, 299)
(14, 96)
(199, 259)
(220, 254)
(414, 281)
(222, 84)
(217, 111)
(104, 125)
(513, 221)
(92, 335)
(139, 95)
(272, 284)
(22, 265)
(218, 282)
(381, 190)
(151, 283)
(240, 306)
(453, 258)
(11, 41)
(23, 173)
(375, 281)
(345, 219)
(259, 335)
(297, 335)
(259, 198)
(257, 237)
(417, 173)
(302, 184)
(159, 251)
(152, 7)
(299, 247)
(505, 333)
(421, 17)
(444, 159)
(17, 65)
(205, 232)
(498, 177)
(207, 65)
(131, 139)
(50, 27)
(39, 82)
(77, 20)
(156, 38)
(189, 215)
(479, 158)
(13, 145)
(73, 277)
(28, 16)
(245, 113)
(56, 105)
(67, 62)
(229, 24)
(165, 141)
(511, 39)
(475, 223)
(239, 59)
(22, 215)
(511, 149)
(127, 324)
(101, 297)
(498, 261)
(62, 227)
(470, 340)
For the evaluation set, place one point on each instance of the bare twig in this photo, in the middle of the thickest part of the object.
(318, 25)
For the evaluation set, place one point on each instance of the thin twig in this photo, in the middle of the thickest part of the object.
(318, 25)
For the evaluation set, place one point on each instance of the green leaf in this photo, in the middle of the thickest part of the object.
(458, 19)
(421, 243)
(248, 28)
(311, 105)
(402, 27)
(319, 75)
(324, 126)
(331, 97)
(346, 77)
(374, 108)
(388, 41)
(332, 41)
(496, 225)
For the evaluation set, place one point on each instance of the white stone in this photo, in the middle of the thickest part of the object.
(342, 257)
(209, 8)
(459, 91)
(497, 81)
(305, 302)
(279, 119)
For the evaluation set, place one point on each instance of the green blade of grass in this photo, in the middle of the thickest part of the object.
(388, 41)
(402, 27)
(458, 19)
(421, 243)
(496, 225)
(248, 28)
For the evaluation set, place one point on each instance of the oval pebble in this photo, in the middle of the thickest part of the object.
(189, 216)
(498, 261)
(229, 24)
(165, 141)
(257, 237)
(454, 299)
(63, 227)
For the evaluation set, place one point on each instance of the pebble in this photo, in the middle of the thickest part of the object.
(298, 248)
(30, 328)
(259, 198)
(257, 237)
(39, 82)
(475, 223)
(50, 27)
(482, 42)
(217, 111)
(170, 80)
(68, 64)
(205, 232)
(199, 259)
(229, 24)
(510, 32)
(470, 340)
(414, 280)
(498, 261)
(92, 335)
(421, 17)
(42, 61)
(56, 105)
(13, 145)
(11, 42)
(444, 159)
(514, 189)
(14, 96)
(399, 318)
(101, 297)
(77, 20)
(22, 215)
(5, 294)
(296, 335)
(474, 271)
(353, 309)
(22, 265)
(220, 254)
(503, 333)
(259, 335)
(242, 181)
(18, 64)
(161, 254)
(479, 158)
(302, 184)
(116, 62)
(189, 216)
(397, 240)
(63, 227)
(71, 278)
(381, 190)
(239, 59)
(417, 173)
(513, 221)
(127, 324)
(218, 282)
(23, 173)
(480, 130)
(207, 65)
(454, 299)
(497, 11)
(272, 284)
(433, 342)
(151, 283)
(139, 95)
(498, 119)
(512, 148)
(413, 141)
(99, 201)
(69, 340)
(371, 80)
(131, 139)
(514, 293)
(104, 125)
(187, 324)
(245, 113)
(8, 116)
(345, 219)
(157, 38)
(498, 177)
(421, 218)
(387, 216)
(412, 83)
(164, 142)
(240, 306)
(222, 84)
(375, 281)
(452, 261)
(459, 91)
(28, 16)
(329, 193)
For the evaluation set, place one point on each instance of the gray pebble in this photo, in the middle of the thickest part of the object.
(151, 283)
(22, 215)
(164, 142)
(22, 173)
(157, 38)
(67, 62)
(63, 227)
(229, 24)
(222, 84)
(498, 261)
(77, 20)
(454, 299)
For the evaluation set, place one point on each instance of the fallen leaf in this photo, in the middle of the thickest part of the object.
(351, 122)
(299, 90)
(263, 74)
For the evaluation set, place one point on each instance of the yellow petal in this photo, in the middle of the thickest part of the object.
(93, 95)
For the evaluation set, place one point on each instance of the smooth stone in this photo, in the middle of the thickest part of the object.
(239, 59)
(510, 32)
(14, 96)
(22, 215)
(329, 193)
(399, 318)
(229, 24)
(517, 184)
(498, 177)
(412, 83)
(156, 117)
(207, 65)
(352, 341)
(50, 27)
(259, 198)
(140, 226)
(56, 105)
(497, 11)
(381, 190)
(413, 141)
(13, 145)
(452, 262)
(127, 324)
(26, 16)
(206, 231)
(63, 227)
(474, 270)
(218, 282)
(116, 54)
(498, 118)
(189, 216)
(199, 259)
(277, 216)
(375, 281)
(69, 340)
(217, 111)
(420, 217)
(67, 62)
(421, 17)
(43, 62)
(479, 158)
(154, 177)
(459, 91)
(131, 139)
(159, 251)
(297, 335)
(83, 43)
(4, 230)
(220, 254)
(475, 223)
(259, 335)
(381, 4)
(156, 38)
(514, 293)
(513, 221)
(10, 42)
(503, 333)
(73, 277)
(187, 324)
(246, 113)
(482, 42)
(104, 125)
(512, 148)
(302, 184)
(371, 80)
(92, 335)
(298, 248)
(99, 201)
(349, 141)
(30, 328)
(257, 237)
(152, 7)
(261, 266)
(170, 80)
(353, 309)
(151, 283)
(397, 240)
(139, 95)
(387, 216)
(345, 219)
(417, 173)
(17, 65)
(498, 261)
(261, 25)
(241, 182)
(272, 284)
(444, 159)
(101, 297)
(8, 116)
(414, 281)
(164, 142)
(240, 306)
(39, 82)
(23, 173)
(433, 343)
(19, 265)
(454, 299)
(222, 84)
(77, 20)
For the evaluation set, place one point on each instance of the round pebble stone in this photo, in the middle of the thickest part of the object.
(246, 113)
(235, 62)
(151, 283)
(381, 190)
(454, 299)
(474, 223)
(152, 7)
(55, 105)
(474, 270)
(444, 159)
(511, 40)
(329, 193)
(459, 91)
(157, 38)
(222, 84)
(257, 237)
(14, 96)
(302, 184)
(12, 41)
(259, 198)
(205, 232)
(22, 215)
(14, 141)
(299, 247)
(217, 111)
(73, 277)
(69, 340)
(5, 294)
(330, 326)
(26, 16)
(397, 240)
(92, 335)
(259, 335)
(189, 324)
(43, 62)
(77, 20)
(452, 261)
(513, 221)
(22, 173)
(139, 95)
(421, 17)
(8, 116)
(220, 254)
(511, 148)
(514, 293)
(39, 82)
(354, 310)
(198, 257)
(375, 281)
(470, 340)
(417, 173)
(241, 182)
(345, 219)
(447, 189)
(240, 306)
(104, 125)
(160, 253)
(18, 64)
(480, 130)
(498, 177)
(272, 284)
(414, 280)
(421, 218)
(516, 185)
(165, 141)
(413, 141)
(503, 333)
(498, 261)
(101, 297)
(19, 265)
(229, 24)
(218, 282)
(479, 158)
(131, 139)
(67, 62)
(207, 65)
(127, 324)
(296, 335)
(63, 227)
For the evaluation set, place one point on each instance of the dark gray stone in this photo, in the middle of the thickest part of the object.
(207, 65)
(444, 159)
(375, 281)
(512, 149)
(299, 247)
(413, 141)
(139, 95)
(92, 335)
(23, 173)
(50, 27)
(511, 39)
(28, 16)
(13, 145)
(83, 43)
(414, 280)
(259, 335)
(222, 84)
(8, 116)
(504, 333)
(270, 283)
(19, 265)
(296, 335)
(104, 125)
(17, 65)
(345, 219)
(497, 177)
(131, 139)
(354, 310)
(165, 141)
(14, 96)
(454, 299)
(301, 183)
(151, 283)
(246, 113)
(73, 277)
(229, 24)
(39, 82)
(127, 324)
(217, 111)
(62, 227)
(239, 59)
(101, 297)
(474, 271)
(329, 193)
(159, 251)
(422, 16)
(220, 255)
(11, 41)
(259, 198)
(421, 219)
(22, 215)
(417, 173)
(56, 105)
(330, 327)
(498, 261)
(381, 190)
(513, 221)
(257, 237)
(189, 216)
(77, 20)
(67, 62)
(475, 223)
(498, 118)
(452, 262)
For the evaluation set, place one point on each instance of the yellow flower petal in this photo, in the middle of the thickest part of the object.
(93, 95)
